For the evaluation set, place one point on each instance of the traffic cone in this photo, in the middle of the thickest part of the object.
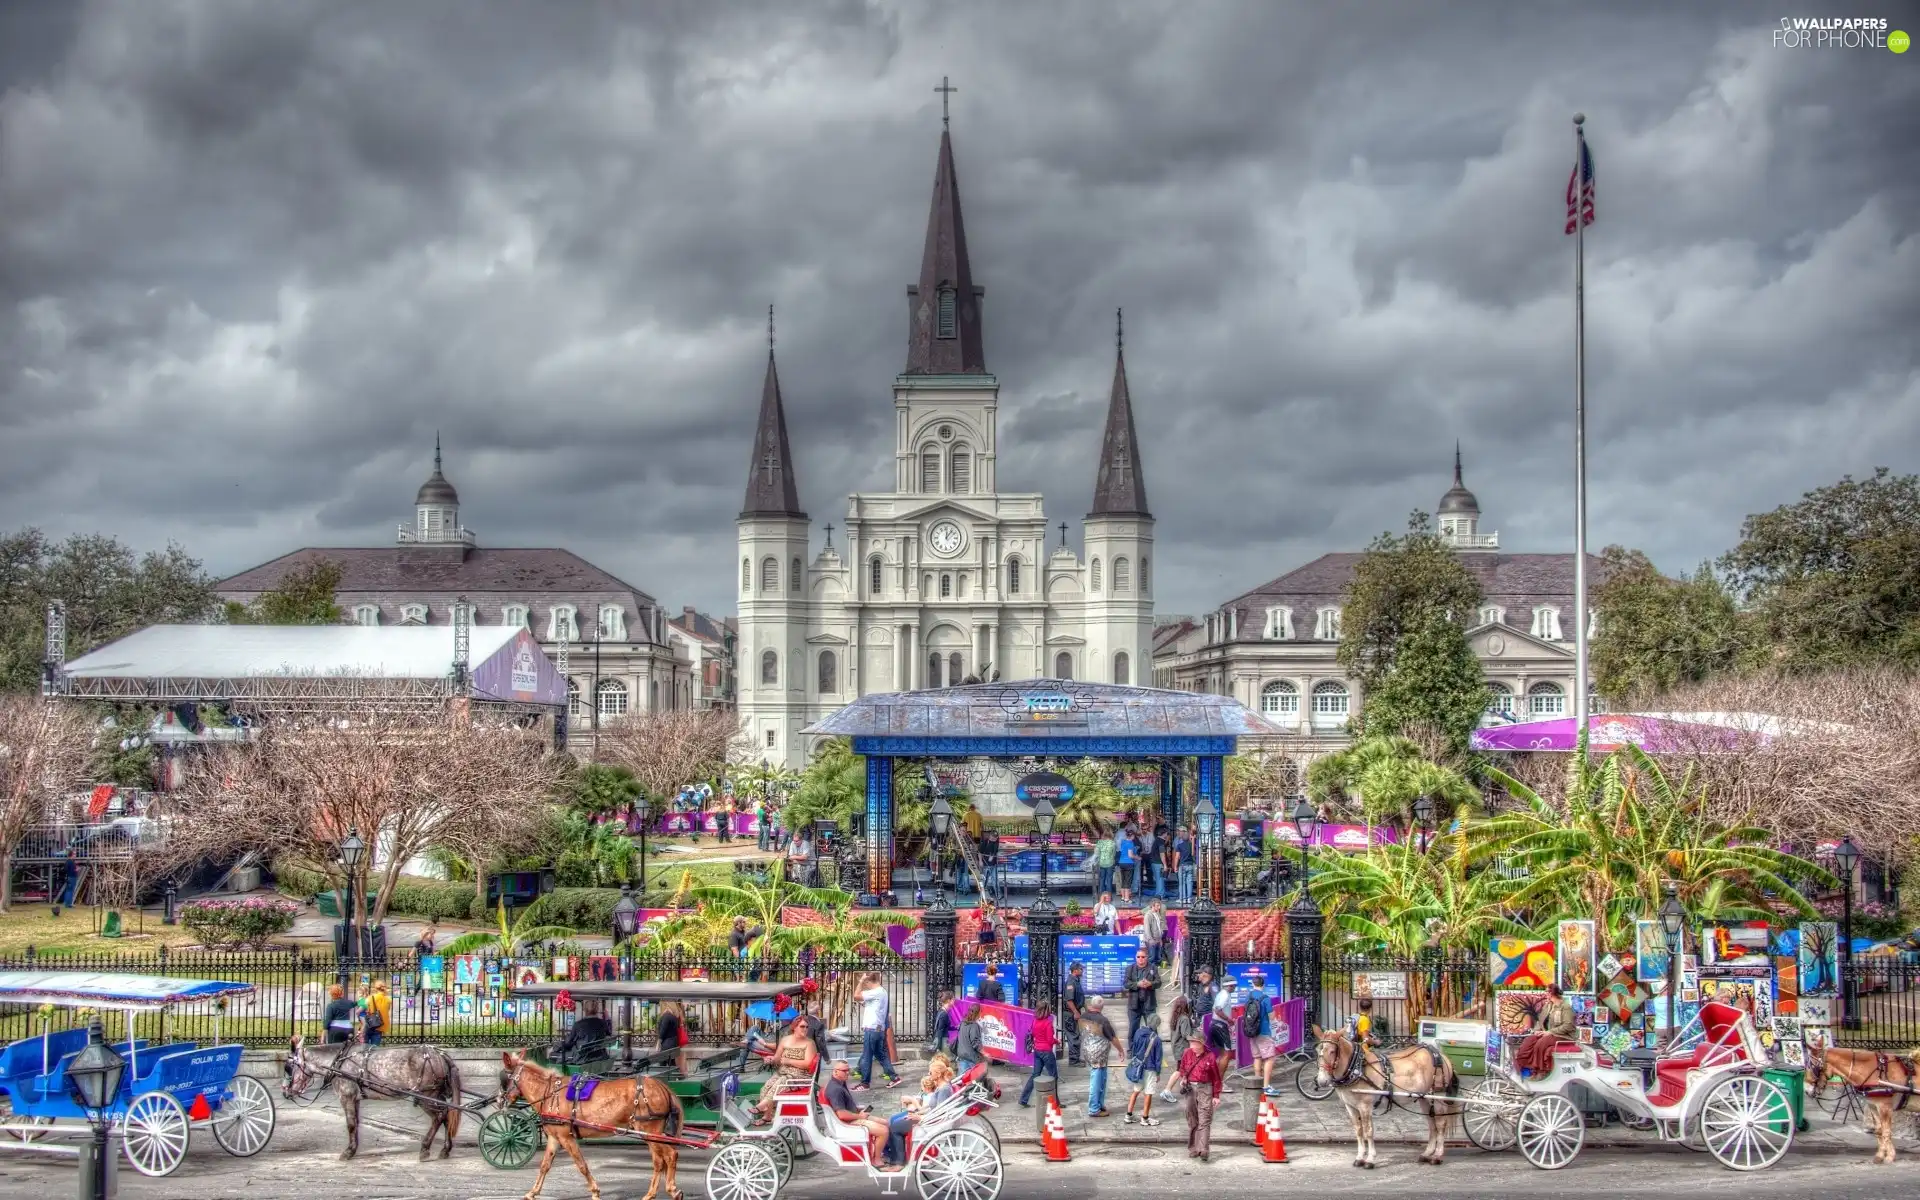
(1274, 1148)
(1053, 1133)
(1260, 1122)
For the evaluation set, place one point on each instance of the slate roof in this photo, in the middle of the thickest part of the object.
(1516, 582)
(1120, 485)
(943, 264)
(772, 487)
(998, 710)
(490, 579)
(695, 623)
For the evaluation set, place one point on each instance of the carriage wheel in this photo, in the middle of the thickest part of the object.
(23, 1128)
(509, 1138)
(782, 1150)
(743, 1171)
(1550, 1131)
(155, 1133)
(246, 1119)
(1307, 1079)
(984, 1128)
(959, 1165)
(1746, 1122)
(797, 1142)
(1492, 1113)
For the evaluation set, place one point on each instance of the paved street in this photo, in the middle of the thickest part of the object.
(301, 1162)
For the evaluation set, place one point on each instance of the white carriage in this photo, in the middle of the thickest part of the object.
(1705, 1093)
(953, 1152)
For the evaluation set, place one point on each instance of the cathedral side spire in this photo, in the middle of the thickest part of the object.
(944, 323)
(1120, 487)
(772, 489)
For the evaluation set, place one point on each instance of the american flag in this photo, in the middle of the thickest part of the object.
(1580, 190)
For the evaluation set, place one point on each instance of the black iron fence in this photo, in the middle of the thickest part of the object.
(291, 992)
(1879, 1005)
(1440, 983)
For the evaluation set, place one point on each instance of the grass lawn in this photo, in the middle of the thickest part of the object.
(72, 932)
(664, 876)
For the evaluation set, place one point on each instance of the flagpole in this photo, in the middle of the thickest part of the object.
(1579, 435)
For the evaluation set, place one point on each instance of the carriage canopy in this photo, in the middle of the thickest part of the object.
(76, 989)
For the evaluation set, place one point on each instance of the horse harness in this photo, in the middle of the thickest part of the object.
(1883, 1084)
(1360, 1062)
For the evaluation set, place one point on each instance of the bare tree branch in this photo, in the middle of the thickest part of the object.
(666, 750)
(43, 755)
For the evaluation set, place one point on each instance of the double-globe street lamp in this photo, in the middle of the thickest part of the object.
(939, 824)
(352, 852)
(1423, 813)
(93, 1078)
(1846, 856)
(1043, 818)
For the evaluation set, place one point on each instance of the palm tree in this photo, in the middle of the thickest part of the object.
(1095, 799)
(1628, 830)
(1388, 773)
(509, 940)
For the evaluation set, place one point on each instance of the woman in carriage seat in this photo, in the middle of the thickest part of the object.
(1552, 1025)
(794, 1057)
(937, 1088)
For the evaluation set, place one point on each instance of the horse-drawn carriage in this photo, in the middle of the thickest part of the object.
(1706, 1092)
(165, 1091)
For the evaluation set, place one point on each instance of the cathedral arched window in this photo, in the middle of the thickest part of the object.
(1279, 699)
(960, 473)
(829, 673)
(1063, 665)
(1500, 701)
(573, 698)
(1013, 577)
(1096, 574)
(929, 471)
(770, 668)
(874, 576)
(933, 669)
(946, 587)
(956, 669)
(1546, 700)
(612, 696)
(948, 314)
(769, 574)
(793, 578)
(1330, 702)
(1121, 668)
(1122, 575)
(746, 574)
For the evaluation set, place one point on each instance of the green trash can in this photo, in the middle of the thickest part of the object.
(1792, 1081)
(1464, 1043)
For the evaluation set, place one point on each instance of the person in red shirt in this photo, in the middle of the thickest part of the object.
(1199, 1078)
(1046, 1056)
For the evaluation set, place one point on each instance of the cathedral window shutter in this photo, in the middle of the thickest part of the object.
(1121, 668)
(930, 471)
(874, 576)
(1122, 575)
(770, 575)
(793, 581)
(1096, 574)
(949, 314)
(961, 475)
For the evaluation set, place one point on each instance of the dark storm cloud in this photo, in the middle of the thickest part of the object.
(252, 256)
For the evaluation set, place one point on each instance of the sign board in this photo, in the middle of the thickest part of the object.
(1105, 958)
(1381, 985)
(1044, 785)
(1007, 973)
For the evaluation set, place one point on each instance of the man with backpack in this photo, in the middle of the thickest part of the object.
(1254, 1024)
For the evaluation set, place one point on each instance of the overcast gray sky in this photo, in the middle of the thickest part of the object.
(252, 255)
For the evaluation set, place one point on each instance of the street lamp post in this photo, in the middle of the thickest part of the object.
(643, 812)
(626, 923)
(1305, 924)
(1206, 819)
(1846, 856)
(1673, 919)
(352, 852)
(1043, 818)
(939, 824)
(93, 1077)
(1423, 812)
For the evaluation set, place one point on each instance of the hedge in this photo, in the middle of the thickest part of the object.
(588, 910)
(410, 896)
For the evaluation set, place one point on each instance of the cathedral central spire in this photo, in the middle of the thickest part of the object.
(1120, 487)
(943, 321)
(772, 490)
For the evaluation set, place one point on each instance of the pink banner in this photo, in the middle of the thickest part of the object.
(1003, 1029)
(1286, 1024)
(745, 824)
(908, 941)
(1338, 837)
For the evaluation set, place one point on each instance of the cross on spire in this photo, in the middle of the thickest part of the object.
(770, 466)
(769, 329)
(1063, 535)
(1119, 329)
(945, 89)
(436, 452)
(829, 535)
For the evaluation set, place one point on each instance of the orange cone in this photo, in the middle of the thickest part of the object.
(1274, 1148)
(1260, 1123)
(1053, 1133)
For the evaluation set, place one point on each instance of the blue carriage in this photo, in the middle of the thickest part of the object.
(165, 1092)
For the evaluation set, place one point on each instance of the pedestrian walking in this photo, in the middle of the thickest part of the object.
(1180, 1023)
(1198, 1080)
(1143, 1070)
(1153, 935)
(1126, 861)
(1150, 859)
(872, 996)
(1183, 865)
(971, 1046)
(1042, 1044)
(1076, 1003)
(1105, 854)
(1098, 1041)
(1142, 984)
(944, 1027)
(1254, 1023)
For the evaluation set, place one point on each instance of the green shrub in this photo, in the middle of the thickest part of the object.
(292, 879)
(432, 899)
(227, 924)
(589, 910)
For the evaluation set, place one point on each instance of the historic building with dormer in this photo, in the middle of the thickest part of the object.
(945, 578)
(1274, 648)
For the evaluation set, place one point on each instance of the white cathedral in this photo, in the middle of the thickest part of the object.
(945, 579)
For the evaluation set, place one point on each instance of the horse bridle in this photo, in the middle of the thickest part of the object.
(1357, 1061)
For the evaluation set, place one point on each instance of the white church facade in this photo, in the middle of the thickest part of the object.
(945, 579)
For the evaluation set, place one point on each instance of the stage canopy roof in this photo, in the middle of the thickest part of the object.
(315, 664)
(1044, 717)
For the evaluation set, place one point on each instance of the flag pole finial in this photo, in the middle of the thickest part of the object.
(1579, 118)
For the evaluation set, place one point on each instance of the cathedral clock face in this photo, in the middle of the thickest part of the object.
(946, 539)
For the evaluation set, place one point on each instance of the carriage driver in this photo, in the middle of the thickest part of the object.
(589, 1036)
(1553, 1024)
(794, 1057)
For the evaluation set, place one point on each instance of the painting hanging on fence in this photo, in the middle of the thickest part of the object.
(1574, 962)
(1519, 963)
(1651, 957)
(1740, 945)
(1819, 958)
(1622, 997)
(1816, 1010)
(1518, 1012)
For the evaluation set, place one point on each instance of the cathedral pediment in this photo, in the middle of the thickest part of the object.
(942, 504)
(1065, 639)
(826, 639)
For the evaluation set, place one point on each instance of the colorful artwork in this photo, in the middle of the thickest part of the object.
(1816, 1010)
(1819, 958)
(486, 1007)
(463, 1006)
(1787, 1029)
(1380, 985)
(1518, 1012)
(1578, 972)
(1519, 963)
(1739, 945)
(603, 968)
(1793, 1054)
(466, 971)
(1609, 967)
(1651, 957)
(1622, 997)
(433, 973)
(562, 968)
(1751, 996)
(1618, 1041)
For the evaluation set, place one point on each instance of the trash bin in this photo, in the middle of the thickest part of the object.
(1046, 1085)
(1792, 1081)
(1464, 1043)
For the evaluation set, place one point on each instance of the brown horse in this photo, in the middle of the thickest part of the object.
(1889, 1082)
(427, 1076)
(638, 1105)
(1418, 1074)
